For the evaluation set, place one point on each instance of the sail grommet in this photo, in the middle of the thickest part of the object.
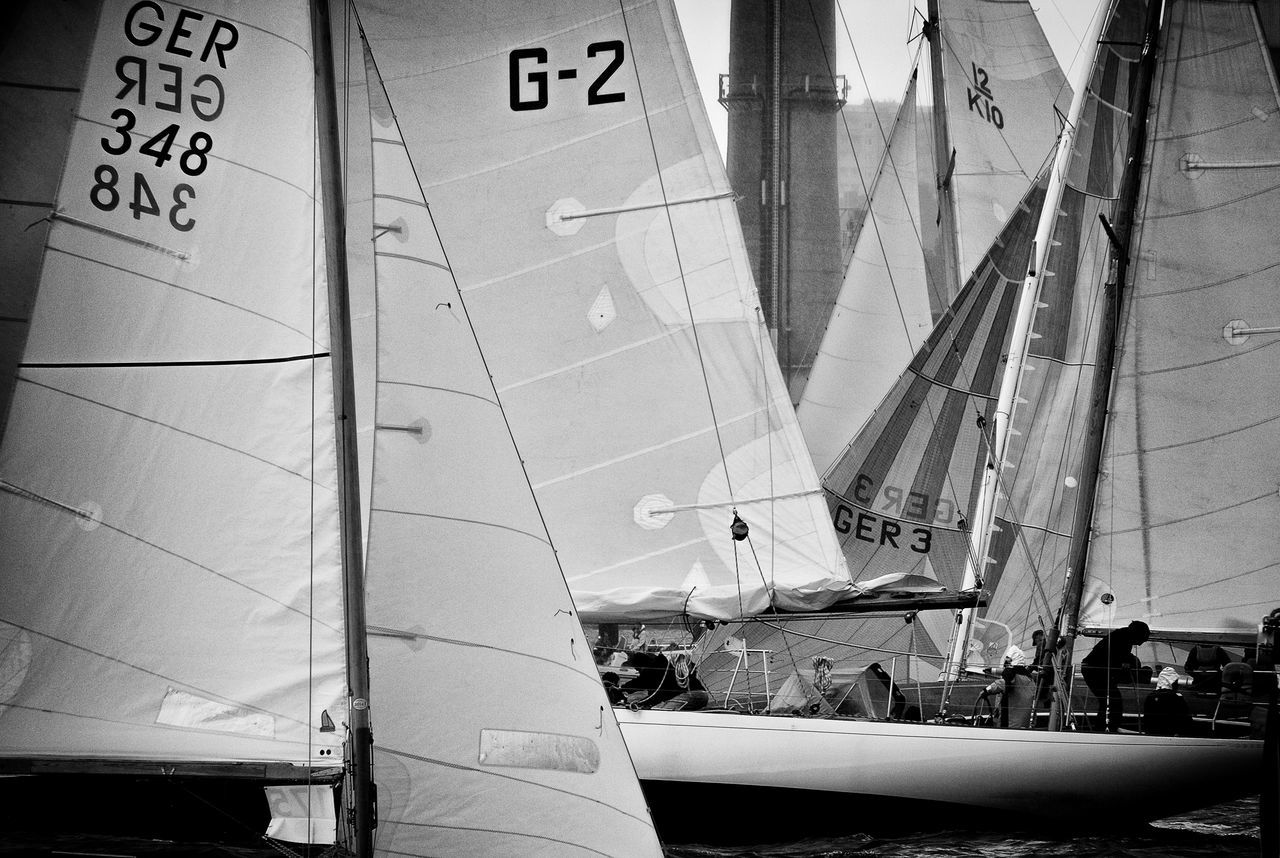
(653, 512)
(559, 216)
(1189, 165)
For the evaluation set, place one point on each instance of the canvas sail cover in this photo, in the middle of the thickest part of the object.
(168, 515)
(592, 230)
(1044, 473)
(1184, 528)
(1002, 82)
(492, 732)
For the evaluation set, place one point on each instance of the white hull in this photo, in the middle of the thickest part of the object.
(1107, 778)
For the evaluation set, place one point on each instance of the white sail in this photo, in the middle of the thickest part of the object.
(167, 474)
(492, 733)
(1184, 528)
(593, 234)
(883, 311)
(1002, 81)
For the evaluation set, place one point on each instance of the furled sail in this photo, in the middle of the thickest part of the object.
(593, 234)
(1001, 84)
(168, 512)
(1184, 527)
(467, 607)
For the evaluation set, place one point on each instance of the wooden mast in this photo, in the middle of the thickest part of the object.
(360, 739)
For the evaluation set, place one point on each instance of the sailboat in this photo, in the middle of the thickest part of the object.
(624, 339)
(1022, 468)
(179, 506)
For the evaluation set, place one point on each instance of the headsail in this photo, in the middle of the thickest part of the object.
(167, 498)
(1001, 83)
(885, 292)
(467, 606)
(593, 233)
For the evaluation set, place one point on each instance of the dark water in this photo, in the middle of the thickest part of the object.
(1225, 830)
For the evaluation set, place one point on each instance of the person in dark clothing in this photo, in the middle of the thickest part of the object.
(1106, 664)
(1204, 665)
(662, 682)
(1165, 711)
(617, 696)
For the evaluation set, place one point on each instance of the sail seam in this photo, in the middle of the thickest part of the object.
(661, 204)
(1198, 515)
(602, 356)
(122, 236)
(111, 658)
(1224, 281)
(467, 393)
(174, 363)
(1165, 138)
(168, 426)
(409, 201)
(630, 561)
(386, 254)
(544, 540)
(731, 503)
(672, 442)
(40, 87)
(307, 334)
(1214, 206)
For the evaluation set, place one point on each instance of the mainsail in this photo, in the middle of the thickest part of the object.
(167, 473)
(593, 234)
(1000, 82)
(1184, 527)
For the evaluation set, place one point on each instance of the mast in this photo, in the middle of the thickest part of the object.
(1119, 234)
(360, 753)
(944, 159)
(1019, 342)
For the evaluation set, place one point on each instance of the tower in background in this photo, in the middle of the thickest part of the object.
(783, 98)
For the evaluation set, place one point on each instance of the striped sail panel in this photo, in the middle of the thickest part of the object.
(592, 231)
(883, 311)
(1044, 472)
(493, 735)
(168, 512)
(1002, 81)
(903, 493)
(1185, 522)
